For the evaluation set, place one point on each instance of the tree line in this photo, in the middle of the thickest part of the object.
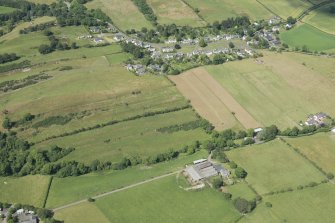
(8, 57)
(146, 10)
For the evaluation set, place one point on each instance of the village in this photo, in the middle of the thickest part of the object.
(10, 214)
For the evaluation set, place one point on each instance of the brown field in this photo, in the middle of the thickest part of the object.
(212, 101)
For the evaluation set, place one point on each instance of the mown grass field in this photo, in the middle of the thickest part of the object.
(133, 138)
(175, 11)
(123, 13)
(274, 166)
(319, 148)
(322, 18)
(307, 35)
(240, 190)
(71, 189)
(308, 205)
(25, 190)
(286, 8)
(218, 10)
(6, 10)
(280, 89)
(163, 200)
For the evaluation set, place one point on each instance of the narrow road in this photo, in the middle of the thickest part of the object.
(115, 191)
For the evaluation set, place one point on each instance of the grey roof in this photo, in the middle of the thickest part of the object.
(193, 173)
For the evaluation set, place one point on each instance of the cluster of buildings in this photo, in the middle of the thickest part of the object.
(316, 119)
(203, 169)
(24, 216)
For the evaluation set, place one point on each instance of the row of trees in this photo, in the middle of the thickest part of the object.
(38, 27)
(27, 81)
(146, 10)
(8, 57)
(55, 44)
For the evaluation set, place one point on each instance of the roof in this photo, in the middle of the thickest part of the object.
(193, 173)
(199, 161)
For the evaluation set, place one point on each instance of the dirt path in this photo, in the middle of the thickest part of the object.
(115, 191)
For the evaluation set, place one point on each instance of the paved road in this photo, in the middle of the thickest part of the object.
(115, 191)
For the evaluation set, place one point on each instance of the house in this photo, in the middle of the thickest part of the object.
(275, 29)
(167, 49)
(288, 26)
(333, 130)
(95, 29)
(171, 41)
(317, 119)
(98, 40)
(202, 169)
(20, 211)
(257, 130)
(118, 37)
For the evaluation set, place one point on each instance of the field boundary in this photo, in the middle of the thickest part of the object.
(312, 8)
(47, 193)
(193, 9)
(267, 8)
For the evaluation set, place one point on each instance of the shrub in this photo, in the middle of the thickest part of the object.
(233, 165)
(227, 196)
(268, 204)
(240, 172)
(90, 199)
(330, 176)
(217, 183)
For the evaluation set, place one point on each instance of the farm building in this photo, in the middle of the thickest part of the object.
(316, 119)
(202, 169)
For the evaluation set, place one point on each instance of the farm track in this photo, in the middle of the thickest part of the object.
(116, 191)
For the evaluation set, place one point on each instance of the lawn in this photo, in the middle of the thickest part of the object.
(319, 148)
(70, 189)
(164, 201)
(123, 13)
(280, 89)
(307, 35)
(175, 11)
(274, 166)
(218, 10)
(131, 138)
(25, 190)
(308, 205)
(6, 10)
(286, 8)
(322, 18)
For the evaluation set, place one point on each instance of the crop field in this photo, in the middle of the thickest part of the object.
(212, 101)
(131, 138)
(6, 10)
(322, 18)
(123, 13)
(175, 11)
(218, 10)
(25, 190)
(286, 8)
(273, 166)
(179, 205)
(71, 189)
(309, 36)
(308, 205)
(280, 89)
(319, 148)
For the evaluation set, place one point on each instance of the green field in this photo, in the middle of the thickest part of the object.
(163, 199)
(123, 13)
(71, 189)
(319, 148)
(286, 8)
(70, 34)
(25, 190)
(128, 139)
(274, 166)
(42, 1)
(322, 18)
(308, 205)
(6, 10)
(309, 36)
(280, 89)
(218, 10)
(175, 11)
(241, 190)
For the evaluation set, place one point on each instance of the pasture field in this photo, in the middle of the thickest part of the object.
(280, 89)
(309, 36)
(6, 10)
(286, 8)
(71, 189)
(71, 33)
(163, 199)
(175, 11)
(241, 190)
(319, 148)
(131, 138)
(308, 205)
(273, 166)
(212, 101)
(25, 190)
(124, 14)
(218, 10)
(322, 18)
(85, 212)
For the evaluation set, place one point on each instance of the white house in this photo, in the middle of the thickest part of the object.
(333, 130)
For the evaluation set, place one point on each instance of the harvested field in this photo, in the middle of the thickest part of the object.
(212, 101)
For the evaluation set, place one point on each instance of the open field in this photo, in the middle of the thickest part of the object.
(131, 138)
(286, 8)
(71, 189)
(274, 166)
(308, 205)
(123, 13)
(175, 11)
(86, 212)
(309, 36)
(241, 190)
(319, 148)
(322, 18)
(6, 10)
(70, 34)
(25, 190)
(175, 204)
(212, 101)
(218, 10)
(280, 89)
